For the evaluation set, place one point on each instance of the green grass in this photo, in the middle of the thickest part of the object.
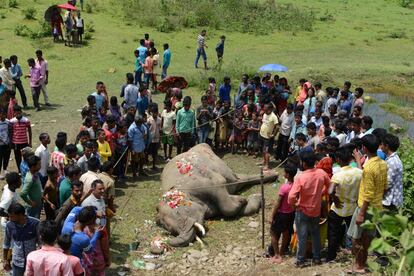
(367, 42)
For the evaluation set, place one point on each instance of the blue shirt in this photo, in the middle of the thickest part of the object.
(16, 71)
(81, 243)
(2, 89)
(142, 54)
(99, 99)
(167, 58)
(22, 239)
(142, 104)
(136, 135)
(346, 105)
(224, 92)
(24, 168)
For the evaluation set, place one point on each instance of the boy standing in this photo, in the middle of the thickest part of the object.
(137, 135)
(306, 195)
(185, 126)
(4, 143)
(168, 121)
(220, 49)
(201, 41)
(204, 116)
(44, 70)
(21, 237)
(371, 191)
(43, 153)
(393, 197)
(21, 135)
(286, 123)
(9, 195)
(283, 216)
(267, 133)
(36, 78)
(224, 90)
(166, 60)
(344, 192)
(154, 122)
(32, 188)
(16, 72)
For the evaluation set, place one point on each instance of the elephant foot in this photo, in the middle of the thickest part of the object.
(254, 202)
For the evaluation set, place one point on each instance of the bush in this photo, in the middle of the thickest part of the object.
(42, 31)
(13, 4)
(260, 17)
(22, 30)
(406, 153)
(29, 13)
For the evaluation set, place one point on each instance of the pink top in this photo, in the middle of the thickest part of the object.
(76, 265)
(35, 76)
(284, 190)
(10, 109)
(48, 261)
(307, 190)
(149, 65)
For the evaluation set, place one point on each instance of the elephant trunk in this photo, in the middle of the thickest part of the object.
(249, 180)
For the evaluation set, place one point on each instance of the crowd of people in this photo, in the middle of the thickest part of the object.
(336, 164)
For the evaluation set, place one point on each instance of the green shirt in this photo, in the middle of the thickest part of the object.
(185, 121)
(79, 149)
(65, 190)
(32, 189)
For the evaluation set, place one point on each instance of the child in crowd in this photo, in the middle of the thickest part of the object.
(5, 149)
(12, 104)
(115, 108)
(236, 140)
(50, 193)
(211, 91)
(154, 122)
(103, 146)
(283, 216)
(120, 141)
(168, 118)
(65, 243)
(21, 135)
(82, 138)
(9, 195)
(253, 129)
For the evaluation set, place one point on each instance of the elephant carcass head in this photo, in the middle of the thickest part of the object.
(184, 222)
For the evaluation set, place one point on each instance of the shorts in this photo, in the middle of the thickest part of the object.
(153, 148)
(265, 144)
(283, 222)
(168, 139)
(80, 30)
(137, 156)
(252, 145)
(355, 231)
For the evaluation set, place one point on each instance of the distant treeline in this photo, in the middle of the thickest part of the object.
(253, 16)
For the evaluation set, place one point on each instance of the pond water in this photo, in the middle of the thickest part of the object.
(383, 118)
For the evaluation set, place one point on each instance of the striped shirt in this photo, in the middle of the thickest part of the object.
(58, 161)
(19, 130)
(347, 182)
(201, 41)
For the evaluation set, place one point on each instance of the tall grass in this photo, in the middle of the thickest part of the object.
(246, 16)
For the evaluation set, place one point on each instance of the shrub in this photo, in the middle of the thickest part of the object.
(29, 13)
(42, 31)
(406, 153)
(22, 30)
(13, 4)
(260, 17)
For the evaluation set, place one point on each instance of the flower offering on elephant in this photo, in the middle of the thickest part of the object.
(183, 166)
(175, 198)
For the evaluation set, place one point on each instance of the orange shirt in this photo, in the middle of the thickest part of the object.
(307, 190)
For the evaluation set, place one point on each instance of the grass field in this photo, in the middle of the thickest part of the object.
(370, 43)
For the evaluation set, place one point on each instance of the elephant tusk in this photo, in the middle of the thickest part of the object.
(200, 241)
(200, 228)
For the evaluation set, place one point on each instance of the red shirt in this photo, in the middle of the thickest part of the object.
(58, 161)
(19, 130)
(307, 190)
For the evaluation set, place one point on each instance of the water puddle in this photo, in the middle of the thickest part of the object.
(384, 118)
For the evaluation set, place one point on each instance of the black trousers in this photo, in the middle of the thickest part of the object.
(5, 152)
(185, 142)
(282, 147)
(336, 233)
(19, 86)
(17, 148)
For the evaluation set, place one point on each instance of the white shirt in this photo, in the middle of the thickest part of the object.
(87, 179)
(7, 78)
(169, 118)
(7, 198)
(287, 123)
(79, 22)
(44, 155)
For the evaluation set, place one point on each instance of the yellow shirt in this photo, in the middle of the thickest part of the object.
(347, 181)
(104, 151)
(269, 122)
(373, 183)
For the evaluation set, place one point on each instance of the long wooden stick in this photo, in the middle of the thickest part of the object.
(263, 207)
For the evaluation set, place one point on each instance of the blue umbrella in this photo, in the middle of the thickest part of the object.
(273, 67)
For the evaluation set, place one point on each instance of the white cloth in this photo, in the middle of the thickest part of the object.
(87, 179)
(7, 78)
(169, 118)
(7, 198)
(43, 153)
(286, 123)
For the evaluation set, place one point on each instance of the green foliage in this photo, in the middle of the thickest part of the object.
(29, 13)
(260, 17)
(396, 241)
(13, 4)
(405, 3)
(406, 153)
(42, 31)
